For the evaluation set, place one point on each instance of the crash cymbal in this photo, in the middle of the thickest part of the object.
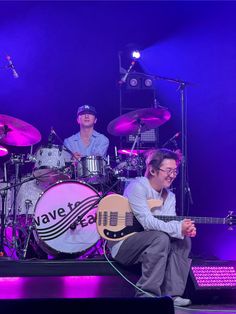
(17, 132)
(144, 119)
(135, 152)
(3, 151)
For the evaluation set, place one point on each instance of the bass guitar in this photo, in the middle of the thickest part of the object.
(115, 220)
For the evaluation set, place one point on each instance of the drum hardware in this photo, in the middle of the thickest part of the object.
(13, 199)
(26, 244)
(3, 193)
(28, 204)
(172, 140)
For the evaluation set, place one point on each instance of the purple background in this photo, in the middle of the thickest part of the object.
(66, 54)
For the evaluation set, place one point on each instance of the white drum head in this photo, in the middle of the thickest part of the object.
(65, 218)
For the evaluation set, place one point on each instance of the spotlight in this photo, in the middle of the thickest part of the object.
(136, 54)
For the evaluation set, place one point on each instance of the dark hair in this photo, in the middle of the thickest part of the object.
(155, 158)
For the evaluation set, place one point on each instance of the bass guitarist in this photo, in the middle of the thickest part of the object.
(163, 247)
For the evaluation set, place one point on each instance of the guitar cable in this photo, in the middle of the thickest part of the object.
(122, 275)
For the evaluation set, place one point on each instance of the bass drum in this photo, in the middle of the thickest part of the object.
(65, 218)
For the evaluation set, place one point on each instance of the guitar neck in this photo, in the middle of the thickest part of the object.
(197, 220)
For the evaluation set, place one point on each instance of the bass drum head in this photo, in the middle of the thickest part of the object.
(57, 229)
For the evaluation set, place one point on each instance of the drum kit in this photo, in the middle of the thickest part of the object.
(55, 204)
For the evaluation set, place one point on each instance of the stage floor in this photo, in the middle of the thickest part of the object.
(31, 281)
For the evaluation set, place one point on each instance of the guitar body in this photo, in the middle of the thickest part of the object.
(115, 220)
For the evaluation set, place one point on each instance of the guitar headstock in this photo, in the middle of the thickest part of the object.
(230, 220)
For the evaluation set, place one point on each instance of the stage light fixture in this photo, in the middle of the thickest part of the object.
(136, 54)
(148, 82)
(212, 281)
(133, 82)
(214, 276)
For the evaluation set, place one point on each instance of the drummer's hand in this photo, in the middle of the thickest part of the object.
(77, 156)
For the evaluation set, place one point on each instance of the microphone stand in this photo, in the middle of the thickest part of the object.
(3, 193)
(185, 189)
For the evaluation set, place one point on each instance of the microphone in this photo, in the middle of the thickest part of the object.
(124, 78)
(51, 136)
(12, 67)
(172, 139)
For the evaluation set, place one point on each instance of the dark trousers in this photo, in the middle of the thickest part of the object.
(165, 262)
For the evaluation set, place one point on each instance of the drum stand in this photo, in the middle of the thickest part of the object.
(3, 193)
(16, 161)
(137, 141)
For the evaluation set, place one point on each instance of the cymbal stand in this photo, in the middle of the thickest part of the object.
(29, 228)
(3, 193)
(16, 160)
(137, 141)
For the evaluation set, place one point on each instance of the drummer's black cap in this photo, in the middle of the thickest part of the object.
(86, 109)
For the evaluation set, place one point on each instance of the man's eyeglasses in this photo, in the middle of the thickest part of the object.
(170, 171)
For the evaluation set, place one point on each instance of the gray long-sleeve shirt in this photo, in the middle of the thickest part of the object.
(138, 192)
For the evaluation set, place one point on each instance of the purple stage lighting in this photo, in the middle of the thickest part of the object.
(214, 276)
(212, 281)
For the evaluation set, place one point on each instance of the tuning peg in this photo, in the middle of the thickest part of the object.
(230, 218)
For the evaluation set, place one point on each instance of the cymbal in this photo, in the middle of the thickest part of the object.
(135, 152)
(145, 119)
(3, 151)
(16, 132)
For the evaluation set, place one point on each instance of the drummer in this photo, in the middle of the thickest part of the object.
(86, 142)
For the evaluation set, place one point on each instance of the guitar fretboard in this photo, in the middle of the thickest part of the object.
(197, 220)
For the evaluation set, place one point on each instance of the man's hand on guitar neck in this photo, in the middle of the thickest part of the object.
(188, 228)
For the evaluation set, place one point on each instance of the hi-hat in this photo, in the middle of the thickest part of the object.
(3, 151)
(141, 119)
(17, 132)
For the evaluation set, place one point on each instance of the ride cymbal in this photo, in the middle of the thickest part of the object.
(141, 119)
(16, 132)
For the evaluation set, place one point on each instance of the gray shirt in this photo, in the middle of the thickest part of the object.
(138, 192)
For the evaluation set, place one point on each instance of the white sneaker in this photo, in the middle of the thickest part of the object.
(178, 301)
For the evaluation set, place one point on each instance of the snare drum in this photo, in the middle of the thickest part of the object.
(65, 218)
(50, 165)
(92, 169)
